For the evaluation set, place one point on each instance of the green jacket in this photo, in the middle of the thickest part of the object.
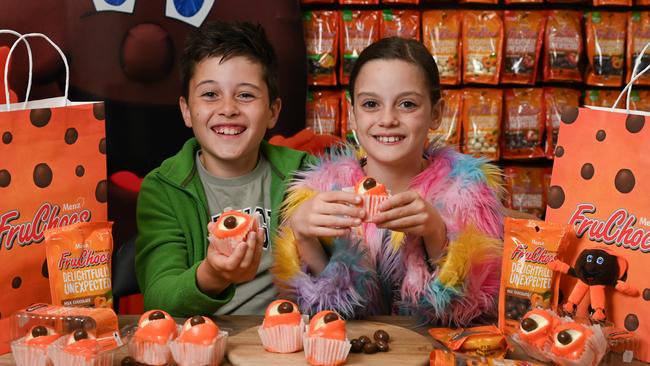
(172, 217)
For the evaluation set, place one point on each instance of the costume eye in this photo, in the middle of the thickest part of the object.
(192, 12)
(600, 260)
(122, 6)
(567, 337)
(590, 258)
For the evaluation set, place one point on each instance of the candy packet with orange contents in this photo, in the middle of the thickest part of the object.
(449, 130)
(359, 29)
(640, 100)
(321, 38)
(524, 124)
(317, 1)
(525, 189)
(613, 3)
(638, 35)
(481, 122)
(526, 280)
(358, 2)
(441, 33)
(563, 45)
(522, 1)
(605, 48)
(79, 264)
(482, 341)
(555, 99)
(601, 97)
(400, 1)
(482, 46)
(323, 112)
(400, 23)
(346, 111)
(524, 32)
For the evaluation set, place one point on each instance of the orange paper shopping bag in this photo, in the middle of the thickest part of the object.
(52, 173)
(599, 185)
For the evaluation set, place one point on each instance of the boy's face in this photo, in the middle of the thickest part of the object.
(229, 111)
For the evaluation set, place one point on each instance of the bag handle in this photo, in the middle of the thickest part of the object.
(65, 62)
(31, 64)
(633, 79)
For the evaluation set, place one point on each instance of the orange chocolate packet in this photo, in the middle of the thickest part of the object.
(441, 33)
(482, 46)
(563, 43)
(613, 3)
(482, 341)
(400, 23)
(79, 264)
(400, 1)
(449, 129)
(323, 112)
(638, 35)
(321, 38)
(522, 1)
(601, 97)
(523, 125)
(481, 122)
(640, 100)
(524, 33)
(526, 280)
(525, 189)
(359, 29)
(555, 99)
(359, 2)
(605, 48)
(346, 111)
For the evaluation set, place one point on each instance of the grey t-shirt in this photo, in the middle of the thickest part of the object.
(249, 193)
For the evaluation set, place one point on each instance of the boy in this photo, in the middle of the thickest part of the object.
(230, 98)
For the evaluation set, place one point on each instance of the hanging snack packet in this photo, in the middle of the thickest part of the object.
(400, 23)
(522, 1)
(613, 3)
(441, 32)
(523, 124)
(479, 1)
(323, 112)
(640, 100)
(346, 129)
(359, 29)
(526, 280)
(605, 48)
(400, 1)
(563, 46)
(524, 32)
(525, 189)
(481, 122)
(359, 2)
(449, 130)
(317, 1)
(638, 35)
(321, 37)
(482, 46)
(555, 99)
(79, 264)
(601, 97)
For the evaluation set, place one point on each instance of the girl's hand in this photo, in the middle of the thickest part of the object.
(327, 214)
(409, 213)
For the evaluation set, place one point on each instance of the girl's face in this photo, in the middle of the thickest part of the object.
(393, 111)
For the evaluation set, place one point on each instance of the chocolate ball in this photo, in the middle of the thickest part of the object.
(357, 346)
(364, 340)
(381, 335)
(197, 319)
(230, 222)
(382, 346)
(330, 317)
(39, 331)
(370, 348)
(528, 324)
(285, 308)
(156, 315)
(80, 334)
(369, 183)
(128, 361)
(564, 337)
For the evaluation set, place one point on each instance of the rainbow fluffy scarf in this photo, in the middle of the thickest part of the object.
(383, 272)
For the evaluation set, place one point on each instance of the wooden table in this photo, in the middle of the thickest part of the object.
(237, 323)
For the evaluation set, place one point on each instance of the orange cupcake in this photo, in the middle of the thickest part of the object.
(31, 350)
(373, 193)
(282, 328)
(326, 342)
(200, 342)
(79, 349)
(150, 343)
(231, 229)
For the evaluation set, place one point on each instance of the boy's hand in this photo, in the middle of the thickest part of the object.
(409, 213)
(327, 214)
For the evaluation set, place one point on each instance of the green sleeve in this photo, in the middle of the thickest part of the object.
(166, 278)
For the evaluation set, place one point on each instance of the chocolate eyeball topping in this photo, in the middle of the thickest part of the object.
(356, 346)
(369, 183)
(528, 324)
(197, 319)
(156, 315)
(285, 308)
(381, 335)
(230, 222)
(330, 317)
(370, 348)
(80, 334)
(364, 340)
(39, 331)
(382, 346)
(564, 337)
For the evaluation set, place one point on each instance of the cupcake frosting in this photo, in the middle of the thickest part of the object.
(369, 186)
(199, 330)
(232, 223)
(156, 326)
(41, 336)
(281, 312)
(82, 343)
(327, 324)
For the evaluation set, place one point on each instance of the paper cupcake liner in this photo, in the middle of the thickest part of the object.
(282, 338)
(150, 353)
(25, 355)
(226, 246)
(326, 352)
(61, 358)
(371, 205)
(188, 354)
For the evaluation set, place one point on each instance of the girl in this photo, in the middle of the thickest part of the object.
(434, 249)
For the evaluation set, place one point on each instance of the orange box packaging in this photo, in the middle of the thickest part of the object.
(638, 35)
(400, 23)
(555, 99)
(524, 34)
(563, 43)
(482, 122)
(605, 48)
(441, 33)
(449, 129)
(527, 281)
(523, 125)
(323, 112)
(321, 38)
(482, 46)
(525, 189)
(359, 29)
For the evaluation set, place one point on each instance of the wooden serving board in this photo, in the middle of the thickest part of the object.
(406, 348)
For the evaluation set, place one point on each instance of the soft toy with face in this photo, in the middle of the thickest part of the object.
(199, 330)
(597, 267)
(156, 326)
(327, 324)
(281, 312)
(41, 336)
